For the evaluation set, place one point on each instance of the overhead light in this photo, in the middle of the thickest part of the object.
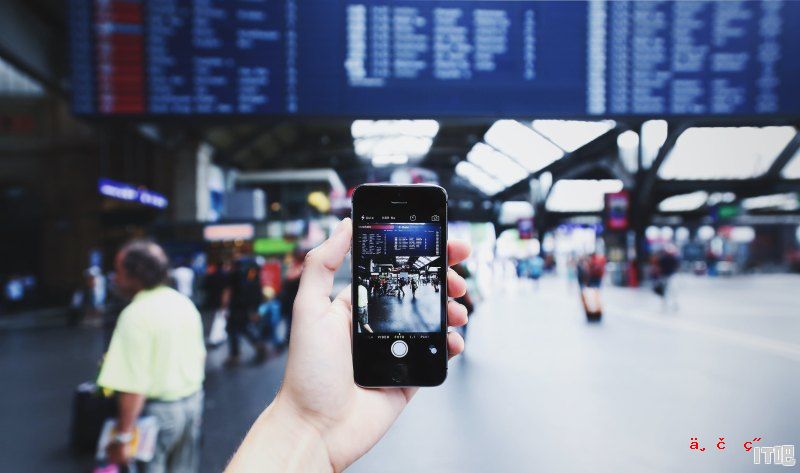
(389, 160)
(787, 201)
(410, 138)
(654, 135)
(725, 152)
(721, 198)
(525, 146)
(513, 211)
(373, 128)
(581, 195)
(484, 182)
(706, 232)
(496, 164)
(628, 140)
(572, 134)
(684, 202)
(743, 234)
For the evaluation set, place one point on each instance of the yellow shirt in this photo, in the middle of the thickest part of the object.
(157, 348)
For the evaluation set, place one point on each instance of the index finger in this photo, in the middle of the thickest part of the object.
(457, 251)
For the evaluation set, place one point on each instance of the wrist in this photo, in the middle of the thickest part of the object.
(282, 441)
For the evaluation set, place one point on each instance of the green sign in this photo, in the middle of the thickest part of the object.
(725, 212)
(272, 246)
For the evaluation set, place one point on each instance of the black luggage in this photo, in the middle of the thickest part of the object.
(90, 409)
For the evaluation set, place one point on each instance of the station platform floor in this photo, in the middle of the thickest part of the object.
(538, 389)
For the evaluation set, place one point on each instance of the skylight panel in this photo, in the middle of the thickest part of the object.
(496, 164)
(572, 134)
(524, 145)
(725, 153)
(581, 195)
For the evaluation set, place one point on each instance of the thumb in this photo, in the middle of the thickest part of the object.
(316, 283)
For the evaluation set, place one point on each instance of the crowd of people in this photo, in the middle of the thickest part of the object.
(235, 299)
(156, 341)
(155, 361)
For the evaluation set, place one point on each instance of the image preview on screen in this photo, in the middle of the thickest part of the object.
(399, 275)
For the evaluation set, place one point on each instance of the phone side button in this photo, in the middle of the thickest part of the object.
(399, 348)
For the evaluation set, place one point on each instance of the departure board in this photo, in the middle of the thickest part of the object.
(426, 58)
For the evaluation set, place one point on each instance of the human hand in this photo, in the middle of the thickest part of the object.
(117, 453)
(319, 408)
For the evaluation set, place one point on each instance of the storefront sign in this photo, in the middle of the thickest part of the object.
(131, 193)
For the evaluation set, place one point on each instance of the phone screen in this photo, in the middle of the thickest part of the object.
(399, 285)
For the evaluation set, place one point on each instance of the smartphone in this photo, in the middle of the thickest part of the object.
(399, 285)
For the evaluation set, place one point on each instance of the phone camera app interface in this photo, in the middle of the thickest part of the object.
(398, 276)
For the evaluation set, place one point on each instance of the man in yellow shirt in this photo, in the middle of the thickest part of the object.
(156, 361)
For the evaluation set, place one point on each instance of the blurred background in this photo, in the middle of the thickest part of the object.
(650, 146)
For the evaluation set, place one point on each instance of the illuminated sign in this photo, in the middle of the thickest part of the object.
(616, 210)
(237, 231)
(131, 193)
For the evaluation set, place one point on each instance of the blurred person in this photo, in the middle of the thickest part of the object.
(591, 270)
(243, 297)
(184, 279)
(155, 362)
(214, 285)
(320, 420)
(116, 301)
(667, 264)
(88, 301)
(363, 304)
(414, 286)
(536, 268)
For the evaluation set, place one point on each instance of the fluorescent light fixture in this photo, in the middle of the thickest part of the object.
(792, 168)
(525, 146)
(725, 153)
(684, 202)
(787, 201)
(496, 164)
(572, 134)
(581, 195)
(484, 182)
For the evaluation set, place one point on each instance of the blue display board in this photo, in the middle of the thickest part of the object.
(427, 58)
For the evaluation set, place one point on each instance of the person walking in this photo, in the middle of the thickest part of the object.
(155, 363)
(243, 297)
(667, 263)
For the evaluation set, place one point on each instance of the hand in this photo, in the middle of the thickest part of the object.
(117, 453)
(319, 408)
